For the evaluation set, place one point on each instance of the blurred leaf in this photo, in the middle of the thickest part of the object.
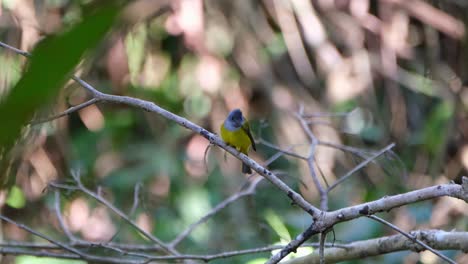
(51, 62)
(8, 3)
(300, 252)
(218, 39)
(372, 133)
(11, 71)
(135, 46)
(198, 105)
(276, 47)
(257, 261)
(16, 198)
(277, 224)
(193, 204)
(40, 260)
(436, 126)
(157, 29)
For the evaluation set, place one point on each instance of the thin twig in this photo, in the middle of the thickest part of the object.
(273, 146)
(355, 151)
(311, 158)
(321, 115)
(411, 237)
(205, 156)
(53, 241)
(18, 51)
(321, 173)
(136, 200)
(66, 112)
(58, 212)
(319, 122)
(86, 244)
(323, 237)
(136, 193)
(99, 198)
(360, 166)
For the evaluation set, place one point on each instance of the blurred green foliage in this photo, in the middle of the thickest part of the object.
(51, 62)
(38, 260)
(16, 198)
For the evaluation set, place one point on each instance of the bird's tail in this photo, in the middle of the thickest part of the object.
(246, 169)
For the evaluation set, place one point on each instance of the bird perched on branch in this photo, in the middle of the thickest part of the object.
(235, 131)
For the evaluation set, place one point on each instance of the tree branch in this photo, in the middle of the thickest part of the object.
(438, 239)
(389, 202)
(67, 112)
(99, 198)
(411, 237)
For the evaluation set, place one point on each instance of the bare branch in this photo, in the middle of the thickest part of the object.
(311, 158)
(273, 146)
(100, 199)
(53, 241)
(85, 244)
(69, 111)
(440, 240)
(325, 114)
(389, 202)
(329, 219)
(360, 166)
(58, 212)
(136, 195)
(323, 237)
(18, 51)
(411, 237)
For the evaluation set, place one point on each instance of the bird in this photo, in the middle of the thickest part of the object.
(235, 131)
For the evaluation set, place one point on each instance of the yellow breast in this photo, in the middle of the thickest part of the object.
(237, 138)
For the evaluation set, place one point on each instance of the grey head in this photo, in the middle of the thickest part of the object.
(234, 120)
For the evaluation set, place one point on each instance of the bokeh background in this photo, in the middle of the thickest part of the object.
(394, 71)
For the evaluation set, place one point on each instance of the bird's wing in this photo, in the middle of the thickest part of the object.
(246, 128)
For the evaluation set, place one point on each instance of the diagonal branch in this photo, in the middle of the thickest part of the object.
(411, 237)
(109, 205)
(67, 112)
(62, 223)
(311, 158)
(440, 240)
(387, 203)
(360, 166)
(63, 246)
